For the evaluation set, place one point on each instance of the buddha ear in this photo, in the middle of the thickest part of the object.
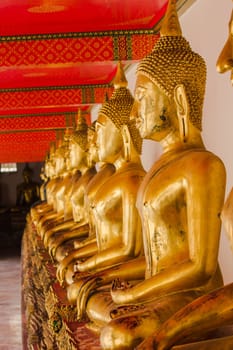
(126, 142)
(182, 107)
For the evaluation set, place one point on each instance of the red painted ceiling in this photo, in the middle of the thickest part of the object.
(58, 56)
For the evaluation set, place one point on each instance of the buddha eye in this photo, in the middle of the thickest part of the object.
(163, 116)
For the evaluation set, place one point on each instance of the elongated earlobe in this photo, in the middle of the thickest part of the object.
(182, 111)
(126, 142)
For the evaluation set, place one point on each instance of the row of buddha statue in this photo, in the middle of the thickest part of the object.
(137, 251)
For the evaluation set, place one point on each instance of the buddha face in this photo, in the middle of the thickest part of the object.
(60, 164)
(109, 139)
(68, 163)
(225, 60)
(77, 155)
(51, 169)
(46, 169)
(153, 110)
(92, 148)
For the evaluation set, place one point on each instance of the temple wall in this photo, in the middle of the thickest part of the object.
(205, 25)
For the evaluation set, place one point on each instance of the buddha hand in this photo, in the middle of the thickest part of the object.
(86, 287)
(119, 290)
(149, 344)
(62, 268)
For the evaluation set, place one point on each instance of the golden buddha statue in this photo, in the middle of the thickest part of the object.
(40, 209)
(44, 178)
(225, 59)
(67, 256)
(78, 225)
(69, 174)
(73, 175)
(117, 222)
(178, 200)
(53, 176)
(72, 238)
(28, 192)
(62, 169)
(211, 315)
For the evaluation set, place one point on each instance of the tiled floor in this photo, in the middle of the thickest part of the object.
(10, 297)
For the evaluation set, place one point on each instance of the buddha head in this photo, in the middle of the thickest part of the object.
(78, 143)
(27, 173)
(225, 60)
(61, 156)
(171, 68)
(45, 167)
(92, 148)
(66, 146)
(49, 161)
(112, 117)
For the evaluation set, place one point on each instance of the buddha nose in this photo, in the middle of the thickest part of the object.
(225, 60)
(134, 111)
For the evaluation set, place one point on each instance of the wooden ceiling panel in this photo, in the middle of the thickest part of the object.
(66, 16)
(25, 146)
(58, 56)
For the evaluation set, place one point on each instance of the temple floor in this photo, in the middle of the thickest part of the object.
(10, 297)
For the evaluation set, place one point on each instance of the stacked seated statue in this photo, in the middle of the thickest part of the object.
(205, 317)
(28, 192)
(40, 209)
(98, 183)
(63, 170)
(116, 218)
(44, 175)
(178, 200)
(69, 174)
(44, 178)
(62, 247)
(65, 255)
(77, 226)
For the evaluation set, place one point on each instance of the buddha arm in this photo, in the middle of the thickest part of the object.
(204, 203)
(127, 248)
(133, 270)
(47, 216)
(47, 220)
(82, 249)
(204, 314)
(80, 244)
(78, 232)
(73, 256)
(63, 226)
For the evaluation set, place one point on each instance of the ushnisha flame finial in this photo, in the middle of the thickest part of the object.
(171, 25)
(118, 107)
(106, 98)
(79, 136)
(81, 123)
(120, 79)
(67, 134)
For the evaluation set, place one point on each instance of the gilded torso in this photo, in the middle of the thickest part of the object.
(166, 201)
(112, 200)
(77, 196)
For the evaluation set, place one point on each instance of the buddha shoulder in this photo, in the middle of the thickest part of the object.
(203, 161)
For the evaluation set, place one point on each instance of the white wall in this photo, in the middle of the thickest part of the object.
(205, 26)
